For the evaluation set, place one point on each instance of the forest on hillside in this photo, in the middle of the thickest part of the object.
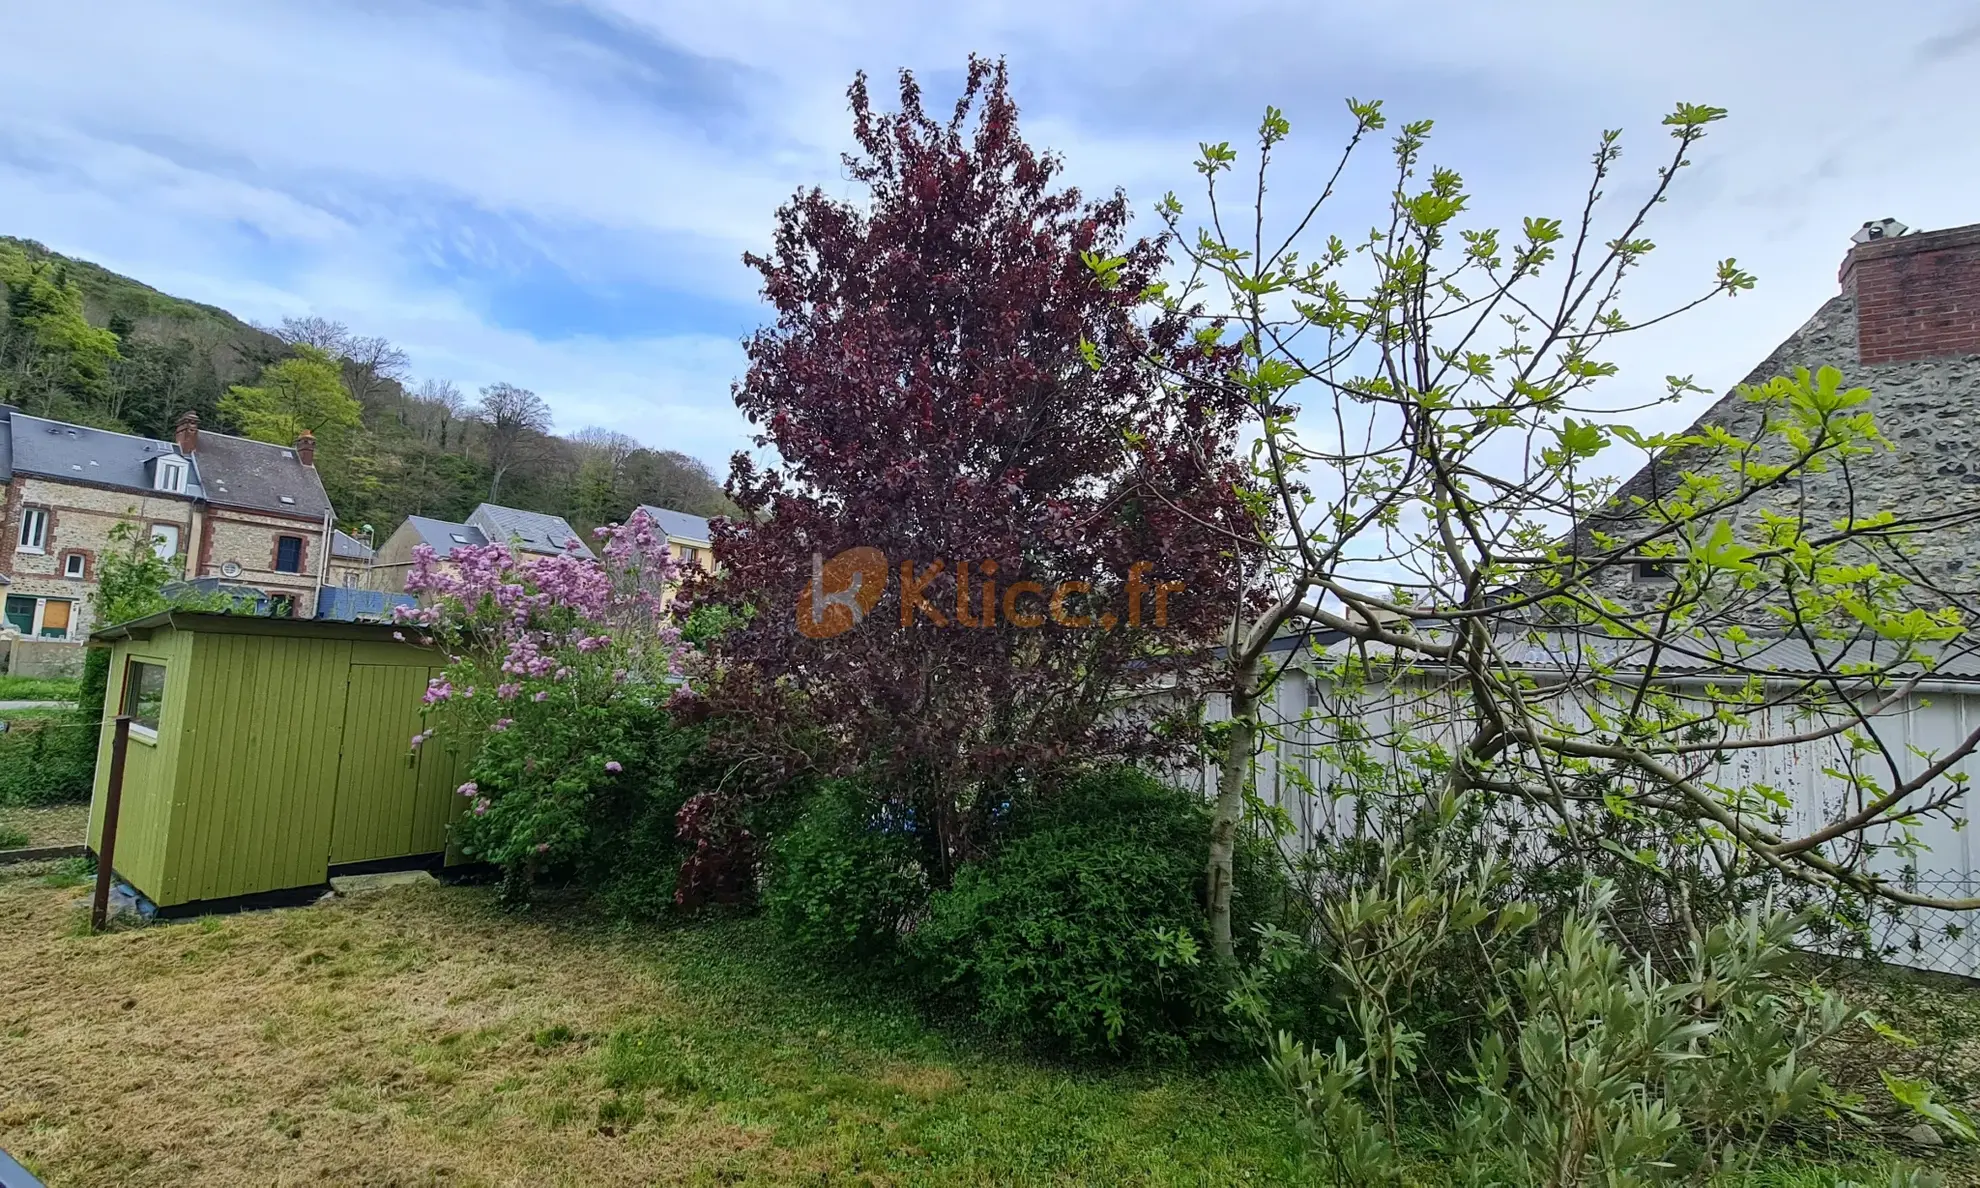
(82, 344)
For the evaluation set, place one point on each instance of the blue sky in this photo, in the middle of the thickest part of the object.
(557, 194)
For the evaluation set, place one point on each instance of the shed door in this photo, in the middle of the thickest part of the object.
(378, 784)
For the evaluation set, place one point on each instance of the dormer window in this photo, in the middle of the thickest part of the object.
(171, 475)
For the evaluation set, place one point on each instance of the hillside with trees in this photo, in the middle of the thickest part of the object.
(80, 343)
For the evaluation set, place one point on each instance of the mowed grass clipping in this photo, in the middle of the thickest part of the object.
(421, 1036)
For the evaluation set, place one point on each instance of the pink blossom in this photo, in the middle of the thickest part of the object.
(481, 807)
(613, 766)
(508, 690)
(541, 695)
(468, 789)
(501, 724)
(421, 737)
(543, 847)
(400, 636)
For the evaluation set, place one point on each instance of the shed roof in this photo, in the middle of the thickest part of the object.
(1560, 650)
(218, 624)
(255, 474)
(532, 532)
(444, 536)
(59, 450)
(678, 525)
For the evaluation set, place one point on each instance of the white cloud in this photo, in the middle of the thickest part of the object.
(388, 163)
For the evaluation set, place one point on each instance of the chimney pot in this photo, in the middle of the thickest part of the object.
(186, 432)
(306, 448)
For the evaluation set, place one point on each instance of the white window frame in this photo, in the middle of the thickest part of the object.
(157, 535)
(37, 519)
(171, 475)
(75, 565)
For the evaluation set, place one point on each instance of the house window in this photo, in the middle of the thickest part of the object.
(288, 554)
(1655, 571)
(144, 696)
(54, 618)
(171, 475)
(75, 565)
(34, 530)
(165, 541)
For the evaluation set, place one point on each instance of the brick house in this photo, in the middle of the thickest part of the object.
(248, 512)
(525, 532)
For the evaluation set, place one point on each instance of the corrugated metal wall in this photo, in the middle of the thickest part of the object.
(1811, 775)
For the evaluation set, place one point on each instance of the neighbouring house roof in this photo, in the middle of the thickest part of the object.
(444, 536)
(348, 547)
(678, 525)
(532, 532)
(59, 450)
(6, 443)
(259, 476)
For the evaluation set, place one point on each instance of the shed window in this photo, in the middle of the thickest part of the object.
(288, 554)
(34, 530)
(144, 695)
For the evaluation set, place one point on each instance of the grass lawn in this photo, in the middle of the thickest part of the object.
(54, 825)
(420, 1036)
(16, 688)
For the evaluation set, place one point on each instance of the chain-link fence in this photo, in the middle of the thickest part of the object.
(1914, 937)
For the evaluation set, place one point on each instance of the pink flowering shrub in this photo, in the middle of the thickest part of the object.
(563, 668)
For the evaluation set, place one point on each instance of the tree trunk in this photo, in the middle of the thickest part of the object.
(1232, 778)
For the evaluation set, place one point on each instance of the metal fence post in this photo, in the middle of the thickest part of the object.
(113, 800)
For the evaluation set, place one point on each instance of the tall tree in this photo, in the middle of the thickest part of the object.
(306, 392)
(513, 419)
(1447, 512)
(373, 368)
(943, 416)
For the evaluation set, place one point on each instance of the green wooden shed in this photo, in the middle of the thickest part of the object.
(267, 753)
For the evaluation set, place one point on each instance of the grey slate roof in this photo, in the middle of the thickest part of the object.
(532, 532)
(254, 474)
(6, 443)
(440, 535)
(678, 525)
(59, 450)
(343, 544)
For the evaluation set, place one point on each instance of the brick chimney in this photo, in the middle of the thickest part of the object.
(1917, 296)
(187, 432)
(306, 448)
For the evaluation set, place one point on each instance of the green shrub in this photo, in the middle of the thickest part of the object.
(1085, 933)
(12, 838)
(584, 793)
(844, 880)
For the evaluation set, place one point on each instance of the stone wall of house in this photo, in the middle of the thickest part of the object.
(251, 541)
(80, 520)
(1929, 409)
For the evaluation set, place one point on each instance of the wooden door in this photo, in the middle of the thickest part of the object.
(378, 784)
